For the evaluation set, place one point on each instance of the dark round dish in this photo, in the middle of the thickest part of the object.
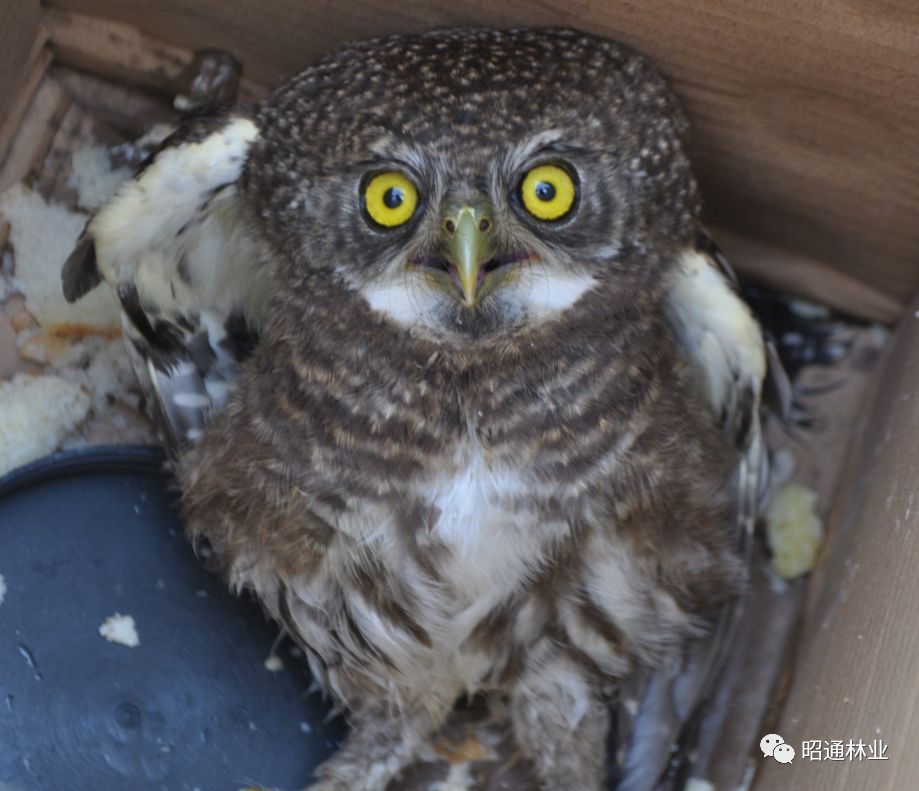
(88, 533)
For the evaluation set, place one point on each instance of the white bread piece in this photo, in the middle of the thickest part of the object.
(43, 235)
(36, 413)
(120, 629)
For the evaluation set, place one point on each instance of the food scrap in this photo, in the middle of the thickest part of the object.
(274, 664)
(794, 530)
(43, 234)
(470, 749)
(120, 629)
(36, 413)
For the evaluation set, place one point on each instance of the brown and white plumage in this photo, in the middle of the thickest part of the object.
(545, 487)
(730, 361)
(177, 248)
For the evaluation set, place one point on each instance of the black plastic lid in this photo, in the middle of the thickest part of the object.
(88, 533)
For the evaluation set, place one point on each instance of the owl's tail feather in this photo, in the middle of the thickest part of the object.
(798, 334)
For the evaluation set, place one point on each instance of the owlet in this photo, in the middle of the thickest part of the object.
(457, 386)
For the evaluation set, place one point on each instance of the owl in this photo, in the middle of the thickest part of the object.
(457, 385)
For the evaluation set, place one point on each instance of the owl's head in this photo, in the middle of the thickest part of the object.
(473, 182)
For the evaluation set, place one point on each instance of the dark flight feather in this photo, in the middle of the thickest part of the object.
(80, 274)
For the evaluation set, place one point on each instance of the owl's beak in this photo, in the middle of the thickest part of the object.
(469, 236)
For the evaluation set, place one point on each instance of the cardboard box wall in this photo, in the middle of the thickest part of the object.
(806, 141)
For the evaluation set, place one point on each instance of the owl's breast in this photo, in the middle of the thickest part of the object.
(486, 517)
(420, 594)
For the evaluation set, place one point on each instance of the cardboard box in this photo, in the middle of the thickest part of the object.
(806, 143)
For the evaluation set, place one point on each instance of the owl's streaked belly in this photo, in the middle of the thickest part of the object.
(493, 539)
(483, 540)
(410, 612)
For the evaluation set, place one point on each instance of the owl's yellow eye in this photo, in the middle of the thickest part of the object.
(390, 199)
(548, 192)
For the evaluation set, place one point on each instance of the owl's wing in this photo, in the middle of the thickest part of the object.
(735, 370)
(177, 247)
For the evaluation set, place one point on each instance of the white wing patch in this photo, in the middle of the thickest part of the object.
(156, 206)
(719, 334)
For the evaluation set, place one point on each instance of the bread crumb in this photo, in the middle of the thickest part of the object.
(43, 235)
(274, 664)
(794, 531)
(2, 589)
(80, 343)
(120, 629)
(36, 413)
(104, 369)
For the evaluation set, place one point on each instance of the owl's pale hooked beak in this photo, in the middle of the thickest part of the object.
(469, 237)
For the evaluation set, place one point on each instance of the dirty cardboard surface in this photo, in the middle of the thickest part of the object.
(855, 674)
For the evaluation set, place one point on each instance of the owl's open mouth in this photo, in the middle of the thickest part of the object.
(498, 264)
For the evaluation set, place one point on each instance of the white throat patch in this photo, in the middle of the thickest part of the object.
(540, 296)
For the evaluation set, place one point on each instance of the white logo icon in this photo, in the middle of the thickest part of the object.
(774, 746)
(784, 753)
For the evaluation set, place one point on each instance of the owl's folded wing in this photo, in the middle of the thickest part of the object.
(735, 368)
(177, 247)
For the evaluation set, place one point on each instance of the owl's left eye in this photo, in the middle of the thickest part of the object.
(390, 199)
(548, 192)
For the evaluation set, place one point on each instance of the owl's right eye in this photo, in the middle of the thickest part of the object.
(390, 199)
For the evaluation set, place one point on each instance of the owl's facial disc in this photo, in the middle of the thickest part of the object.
(470, 265)
(479, 246)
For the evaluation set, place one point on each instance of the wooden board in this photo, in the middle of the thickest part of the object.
(19, 24)
(806, 114)
(768, 264)
(122, 53)
(23, 60)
